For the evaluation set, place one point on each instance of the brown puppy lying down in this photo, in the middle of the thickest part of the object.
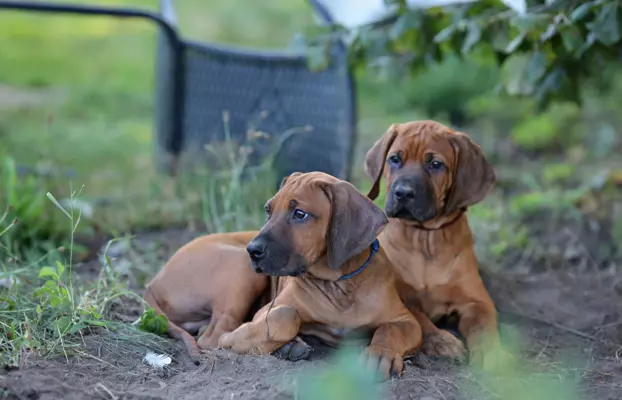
(208, 284)
(320, 237)
(433, 174)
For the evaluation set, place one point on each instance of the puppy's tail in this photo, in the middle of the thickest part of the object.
(175, 331)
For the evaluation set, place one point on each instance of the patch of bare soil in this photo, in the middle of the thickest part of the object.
(569, 323)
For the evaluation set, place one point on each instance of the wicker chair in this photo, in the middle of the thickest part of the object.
(266, 91)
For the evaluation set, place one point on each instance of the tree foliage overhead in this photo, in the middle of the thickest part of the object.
(546, 51)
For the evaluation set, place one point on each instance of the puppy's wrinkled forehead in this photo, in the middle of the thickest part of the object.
(302, 190)
(415, 140)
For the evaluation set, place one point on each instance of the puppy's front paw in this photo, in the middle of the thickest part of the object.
(225, 341)
(295, 350)
(443, 344)
(194, 355)
(386, 363)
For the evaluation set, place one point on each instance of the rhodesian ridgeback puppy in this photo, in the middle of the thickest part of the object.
(432, 175)
(320, 238)
(208, 283)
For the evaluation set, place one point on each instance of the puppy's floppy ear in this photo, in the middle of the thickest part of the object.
(292, 175)
(375, 159)
(473, 177)
(355, 222)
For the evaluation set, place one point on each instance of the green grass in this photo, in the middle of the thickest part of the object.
(45, 311)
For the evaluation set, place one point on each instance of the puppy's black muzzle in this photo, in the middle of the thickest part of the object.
(411, 199)
(273, 257)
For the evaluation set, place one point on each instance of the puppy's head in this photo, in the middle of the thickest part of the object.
(314, 215)
(431, 171)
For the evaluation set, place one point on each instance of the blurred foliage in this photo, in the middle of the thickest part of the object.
(439, 91)
(559, 127)
(346, 377)
(547, 52)
(516, 379)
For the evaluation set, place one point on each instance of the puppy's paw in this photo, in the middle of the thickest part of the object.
(443, 344)
(226, 341)
(193, 356)
(384, 362)
(296, 350)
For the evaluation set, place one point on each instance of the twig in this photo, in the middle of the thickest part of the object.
(447, 381)
(106, 390)
(545, 346)
(274, 294)
(553, 324)
(438, 390)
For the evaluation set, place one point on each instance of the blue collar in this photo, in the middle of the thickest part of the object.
(375, 246)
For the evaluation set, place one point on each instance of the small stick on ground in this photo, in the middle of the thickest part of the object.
(553, 324)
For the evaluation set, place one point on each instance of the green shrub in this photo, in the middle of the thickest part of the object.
(558, 127)
(443, 91)
(501, 112)
(557, 172)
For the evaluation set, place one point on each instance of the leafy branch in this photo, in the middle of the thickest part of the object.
(546, 52)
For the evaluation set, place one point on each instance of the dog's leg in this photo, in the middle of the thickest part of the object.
(390, 343)
(478, 324)
(229, 312)
(438, 342)
(175, 331)
(264, 335)
(221, 323)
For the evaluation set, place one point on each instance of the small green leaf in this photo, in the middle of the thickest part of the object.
(57, 204)
(551, 83)
(513, 45)
(605, 28)
(445, 34)
(48, 271)
(536, 68)
(60, 268)
(152, 322)
(474, 34)
(551, 30)
(530, 22)
(512, 75)
(63, 324)
(581, 11)
(95, 322)
(75, 328)
(405, 22)
(572, 40)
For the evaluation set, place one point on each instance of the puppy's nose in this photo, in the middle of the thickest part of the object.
(256, 250)
(403, 192)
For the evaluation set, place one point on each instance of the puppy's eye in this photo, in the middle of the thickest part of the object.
(435, 165)
(299, 215)
(394, 160)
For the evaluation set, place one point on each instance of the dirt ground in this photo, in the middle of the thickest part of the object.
(569, 323)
